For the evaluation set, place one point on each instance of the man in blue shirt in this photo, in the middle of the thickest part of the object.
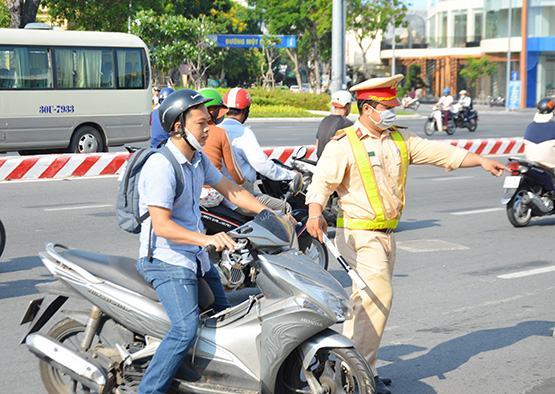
(174, 232)
(540, 135)
(158, 136)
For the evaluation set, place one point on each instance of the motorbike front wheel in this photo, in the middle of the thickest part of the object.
(519, 214)
(472, 125)
(429, 127)
(336, 370)
(70, 333)
(2, 238)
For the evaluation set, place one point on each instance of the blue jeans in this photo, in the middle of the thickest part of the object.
(177, 290)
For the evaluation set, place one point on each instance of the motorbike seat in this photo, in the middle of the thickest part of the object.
(228, 213)
(123, 272)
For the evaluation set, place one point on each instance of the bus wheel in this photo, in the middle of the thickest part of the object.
(86, 139)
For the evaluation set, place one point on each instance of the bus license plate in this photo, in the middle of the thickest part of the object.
(511, 182)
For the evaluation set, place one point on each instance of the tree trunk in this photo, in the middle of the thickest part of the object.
(22, 12)
(295, 59)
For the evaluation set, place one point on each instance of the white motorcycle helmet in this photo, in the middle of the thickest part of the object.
(210, 197)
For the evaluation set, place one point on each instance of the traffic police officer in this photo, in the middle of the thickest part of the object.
(367, 165)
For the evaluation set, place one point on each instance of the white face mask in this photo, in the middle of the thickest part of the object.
(191, 139)
(387, 118)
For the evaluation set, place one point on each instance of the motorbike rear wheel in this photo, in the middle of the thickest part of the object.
(70, 333)
(472, 125)
(337, 370)
(518, 214)
(451, 127)
(2, 238)
(430, 127)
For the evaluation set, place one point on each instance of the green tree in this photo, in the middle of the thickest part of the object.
(310, 21)
(368, 18)
(476, 68)
(5, 19)
(110, 15)
(176, 41)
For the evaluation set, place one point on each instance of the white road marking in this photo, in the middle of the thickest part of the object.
(78, 207)
(522, 274)
(475, 211)
(452, 178)
(429, 245)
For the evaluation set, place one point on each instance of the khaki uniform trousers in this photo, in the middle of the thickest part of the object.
(372, 255)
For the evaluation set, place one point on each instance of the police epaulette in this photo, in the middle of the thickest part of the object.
(339, 135)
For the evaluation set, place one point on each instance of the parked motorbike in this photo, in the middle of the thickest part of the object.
(528, 192)
(465, 118)
(278, 341)
(498, 101)
(2, 238)
(431, 126)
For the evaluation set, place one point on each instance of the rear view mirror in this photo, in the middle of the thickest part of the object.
(300, 153)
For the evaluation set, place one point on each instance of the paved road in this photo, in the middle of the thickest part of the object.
(457, 326)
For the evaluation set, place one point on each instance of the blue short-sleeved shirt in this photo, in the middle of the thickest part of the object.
(157, 188)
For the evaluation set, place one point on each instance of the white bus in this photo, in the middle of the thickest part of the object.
(72, 91)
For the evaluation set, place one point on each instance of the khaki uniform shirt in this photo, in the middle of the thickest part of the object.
(337, 170)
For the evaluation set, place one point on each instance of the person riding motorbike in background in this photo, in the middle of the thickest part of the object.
(218, 148)
(444, 104)
(539, 137)
(336, 120)
(158, 136)
(250, 156)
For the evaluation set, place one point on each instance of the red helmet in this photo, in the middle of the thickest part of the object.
(237, 98)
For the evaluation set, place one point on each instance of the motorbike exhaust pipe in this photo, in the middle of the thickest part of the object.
(536, 203)
(67, 361)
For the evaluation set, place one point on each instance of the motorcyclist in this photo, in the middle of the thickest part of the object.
(171, 254)
(336, 120)
(465, 103)
(444, 105)
(218, 147)
(540, 135)
(249, 154)
(158, 136)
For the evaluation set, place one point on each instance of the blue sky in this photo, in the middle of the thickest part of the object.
(418, 4)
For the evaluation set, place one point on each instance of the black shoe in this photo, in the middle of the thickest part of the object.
(386, 381)
(380, 386)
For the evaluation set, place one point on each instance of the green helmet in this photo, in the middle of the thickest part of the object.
(214, 96)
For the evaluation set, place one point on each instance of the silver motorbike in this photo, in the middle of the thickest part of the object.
(277, 341)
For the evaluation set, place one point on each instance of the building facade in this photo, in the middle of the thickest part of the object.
(458, 31)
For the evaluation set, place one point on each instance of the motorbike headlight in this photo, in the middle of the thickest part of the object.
(329, 302)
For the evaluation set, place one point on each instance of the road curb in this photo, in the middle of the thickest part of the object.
(98, 164)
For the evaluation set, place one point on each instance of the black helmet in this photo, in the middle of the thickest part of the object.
(176, 104)
(546, 105)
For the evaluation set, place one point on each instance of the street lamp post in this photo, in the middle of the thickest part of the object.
(338, 46)
(393, 42)
(508, 79)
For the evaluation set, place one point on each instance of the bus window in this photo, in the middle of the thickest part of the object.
(130, 69)
(25, 68)
(84, 68)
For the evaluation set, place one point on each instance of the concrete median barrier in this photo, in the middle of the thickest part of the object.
(99, 164)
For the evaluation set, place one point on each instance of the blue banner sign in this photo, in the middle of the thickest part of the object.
(251, 41)
(513, 101)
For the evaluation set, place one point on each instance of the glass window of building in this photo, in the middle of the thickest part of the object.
(459, 40)
(25, 68)
(478, 25)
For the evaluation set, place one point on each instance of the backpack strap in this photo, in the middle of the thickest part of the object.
(179, 179)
